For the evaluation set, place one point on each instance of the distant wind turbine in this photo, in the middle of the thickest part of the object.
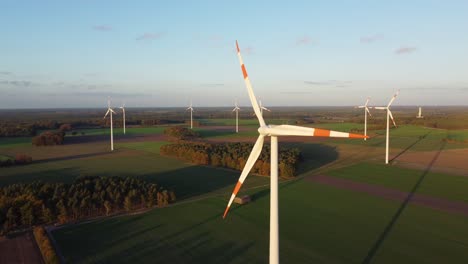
(273, 132)
(191, 114)
(110, 112)
(420, 114)
(237, 116)
(123, 112)
(366, 110)
(389, 115)
(262, 107)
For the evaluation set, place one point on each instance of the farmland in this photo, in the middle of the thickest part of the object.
(319, 221)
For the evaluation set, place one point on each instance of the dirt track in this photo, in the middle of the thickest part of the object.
(391, 194)
(19, 249)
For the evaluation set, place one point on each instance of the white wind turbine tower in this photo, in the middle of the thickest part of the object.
(419, 114)
(123, 112)
(273, 132)
(191, 114)
(366, 110)
(389, 115)
(237, 116)
(110, 112)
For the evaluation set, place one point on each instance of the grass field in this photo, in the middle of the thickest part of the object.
(318, 223)
(14, 142)
(434, 184)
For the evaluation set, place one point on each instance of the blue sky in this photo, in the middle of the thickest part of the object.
(162, 53)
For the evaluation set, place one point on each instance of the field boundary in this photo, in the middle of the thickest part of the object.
(439, 204)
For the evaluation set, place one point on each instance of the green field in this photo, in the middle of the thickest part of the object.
(14, 142)
(119, 131)
(318, 223)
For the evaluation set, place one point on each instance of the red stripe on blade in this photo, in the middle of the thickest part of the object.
(236, 189)
(357, 136)
(244, 71)
(237, 46)
(321, 133)
(225, 212)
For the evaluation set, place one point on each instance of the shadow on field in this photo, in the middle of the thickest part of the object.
(204, 133)
(410, 146)
(314, 155)
(87, 155)
(186, 245)
(194, 180)
(70, 140)
(397, 215)
(65, 175)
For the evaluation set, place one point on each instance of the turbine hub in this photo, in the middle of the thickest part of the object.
(264, 130)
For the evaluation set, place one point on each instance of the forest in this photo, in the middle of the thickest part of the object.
(25, 205)
(234, 156)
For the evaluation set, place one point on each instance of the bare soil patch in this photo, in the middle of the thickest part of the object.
(454, 160)
(391, 194)
(19, 249)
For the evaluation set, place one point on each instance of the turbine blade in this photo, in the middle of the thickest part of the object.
(289, 130)
(367, 101)
(391, 116)
(380, 107)
(106, 113)
(367, 109)
(254, 154)
(253, 100)
(393, 98)
(264, 108)
(112, 111)
(361, 106)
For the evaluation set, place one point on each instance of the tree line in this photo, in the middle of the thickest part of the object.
(19, 159)
(45, 246)
(234, 156)
(181, 133)
(25, 205)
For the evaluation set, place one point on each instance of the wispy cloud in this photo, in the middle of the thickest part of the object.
(105, 94)
(440, 88)
(336, 83)
(97, 94)
(371, 38)
(248, 50)
(405, 50)
(16, 83)
(316, 83)
(5, 73)
(103, 28)
(212, 84)
(305, 40)
(298, 92)
(150, 36)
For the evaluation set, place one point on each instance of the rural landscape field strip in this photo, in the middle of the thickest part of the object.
(21, 248)
(387, 193)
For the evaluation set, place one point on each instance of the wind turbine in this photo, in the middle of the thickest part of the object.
(110, 111)
(366, 110)
(389, 115)
(191, 114)
(419, 114)
(237, 116)
(123, 111)
(262, 107)
(273, 132)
